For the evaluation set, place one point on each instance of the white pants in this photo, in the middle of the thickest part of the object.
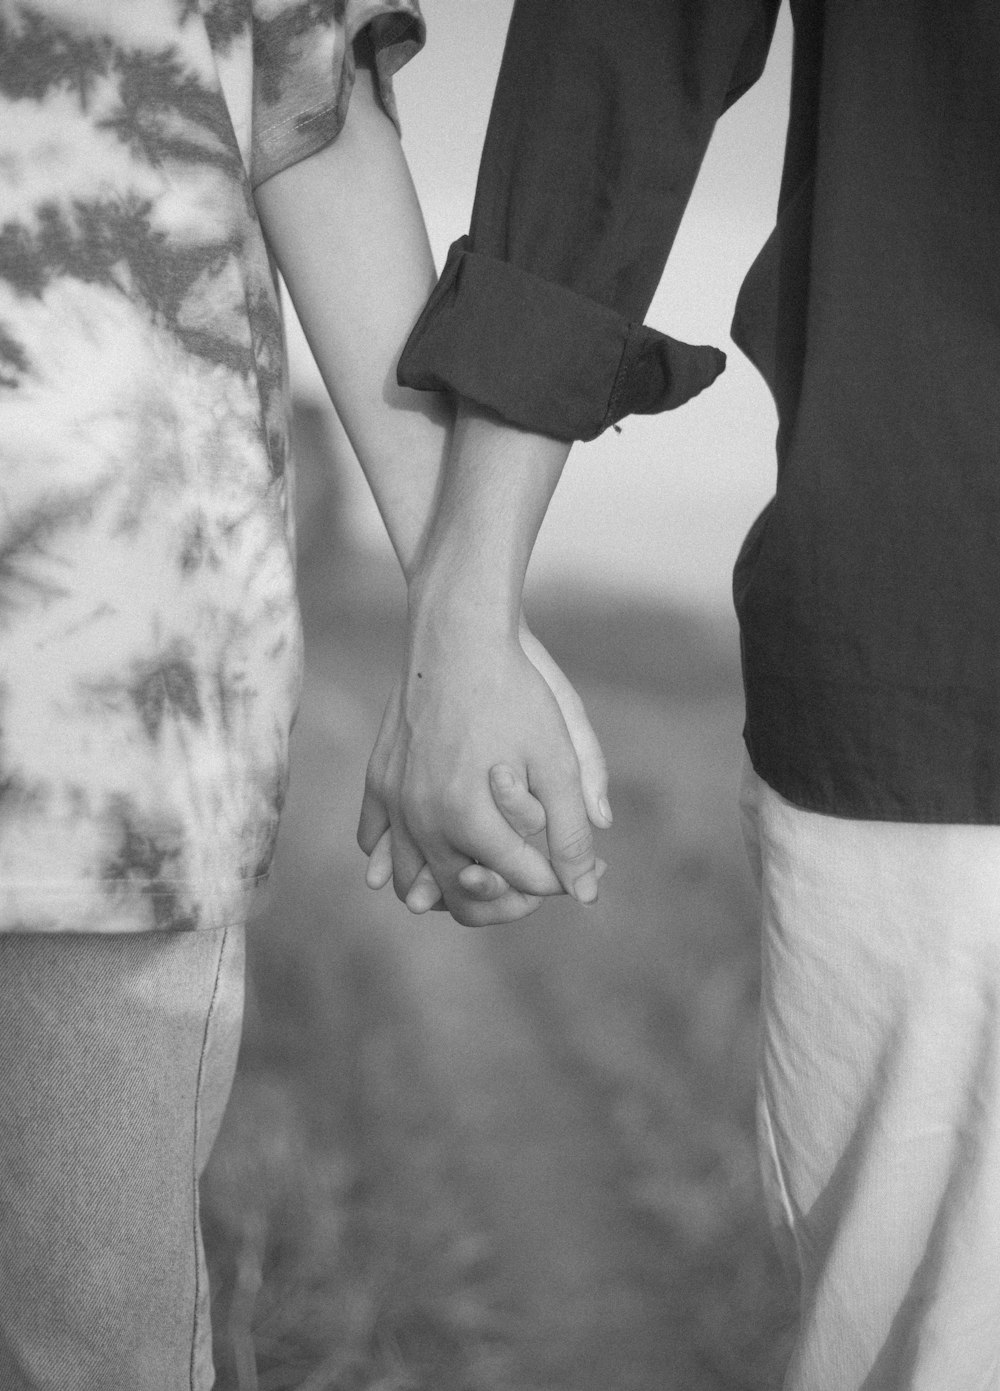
(879, 1092)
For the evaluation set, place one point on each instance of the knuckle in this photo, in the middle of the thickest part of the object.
(576, 844)
(527, 829)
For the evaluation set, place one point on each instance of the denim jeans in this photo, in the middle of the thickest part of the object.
(117, 1055)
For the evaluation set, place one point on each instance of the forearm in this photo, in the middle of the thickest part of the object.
(347, 233)
(497, 485)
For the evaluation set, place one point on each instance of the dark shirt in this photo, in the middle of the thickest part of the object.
(868, 592)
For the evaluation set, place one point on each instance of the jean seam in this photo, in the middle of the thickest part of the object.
(194, 1155)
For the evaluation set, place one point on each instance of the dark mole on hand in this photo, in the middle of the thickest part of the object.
(420, 675)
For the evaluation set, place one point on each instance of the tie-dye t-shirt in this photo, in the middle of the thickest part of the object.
(150, 649)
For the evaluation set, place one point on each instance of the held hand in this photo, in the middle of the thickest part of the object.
(470, 703)
(478, 882)
(520, 809)
(590, 756)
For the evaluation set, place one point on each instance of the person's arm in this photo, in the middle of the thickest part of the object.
(602, 114)
(348, 235)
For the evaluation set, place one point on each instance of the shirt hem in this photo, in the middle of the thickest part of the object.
(855, 805)
(111, 907)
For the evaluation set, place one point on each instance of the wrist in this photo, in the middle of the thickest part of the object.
(469, 574)
(496, 486)
(453, 644)
(455, 601)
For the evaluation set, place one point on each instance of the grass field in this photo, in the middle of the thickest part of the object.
(517, 1160)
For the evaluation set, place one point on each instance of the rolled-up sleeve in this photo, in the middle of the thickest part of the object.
(304, 70)
(602, 115)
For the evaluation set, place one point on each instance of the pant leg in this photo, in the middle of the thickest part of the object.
(879, 1093)
(117, 1055)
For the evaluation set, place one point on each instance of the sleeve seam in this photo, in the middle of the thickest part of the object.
(620, 377)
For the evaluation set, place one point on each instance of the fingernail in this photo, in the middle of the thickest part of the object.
(604, 807)
(585, 888)
(503, 778)
(600, 867)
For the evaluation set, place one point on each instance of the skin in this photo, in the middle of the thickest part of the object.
(510, 792)
(346, 230)
(470, 703)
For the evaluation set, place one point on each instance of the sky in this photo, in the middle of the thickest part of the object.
(660, 509)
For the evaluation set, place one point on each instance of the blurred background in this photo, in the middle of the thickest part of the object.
(523, 1160)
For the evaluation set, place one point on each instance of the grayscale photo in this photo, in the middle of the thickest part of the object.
(499, 695)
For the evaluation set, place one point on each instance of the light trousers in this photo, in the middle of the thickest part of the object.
(879, 1093)
(117, 1055)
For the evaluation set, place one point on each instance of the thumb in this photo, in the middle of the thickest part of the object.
(586, 746)
(590, 756)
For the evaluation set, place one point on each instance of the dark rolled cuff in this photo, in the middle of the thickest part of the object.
(543, 357)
